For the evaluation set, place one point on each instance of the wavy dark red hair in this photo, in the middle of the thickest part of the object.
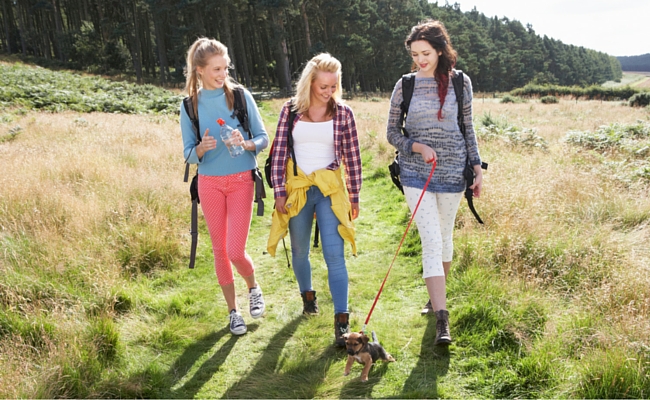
(435, 33)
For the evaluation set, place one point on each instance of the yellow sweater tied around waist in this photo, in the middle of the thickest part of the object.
(330, 184)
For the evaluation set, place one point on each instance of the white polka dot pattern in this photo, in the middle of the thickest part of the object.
(227, 204)
(435, 221)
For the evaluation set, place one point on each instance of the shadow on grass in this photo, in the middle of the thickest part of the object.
(208, 368)
(357, 389)
(301, 380)
(154, 382)
(433, 363)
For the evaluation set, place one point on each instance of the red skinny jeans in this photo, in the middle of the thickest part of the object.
(227, 204)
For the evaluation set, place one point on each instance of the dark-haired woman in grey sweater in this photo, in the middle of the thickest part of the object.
(434, 135)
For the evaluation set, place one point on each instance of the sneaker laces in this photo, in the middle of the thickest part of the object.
(236, 320)
(256, 300)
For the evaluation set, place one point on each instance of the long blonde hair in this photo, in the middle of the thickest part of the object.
(197, 56)
(321, 62)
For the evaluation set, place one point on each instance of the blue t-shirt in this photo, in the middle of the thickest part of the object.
(217, 162)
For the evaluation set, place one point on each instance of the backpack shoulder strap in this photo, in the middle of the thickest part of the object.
(408, 84)
(194, 118)
(240, 109)
(194, 189)
(458, 81)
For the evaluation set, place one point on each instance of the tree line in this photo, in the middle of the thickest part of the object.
(270, 40)
(635, 63)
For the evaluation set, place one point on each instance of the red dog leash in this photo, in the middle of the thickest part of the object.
(399, 247)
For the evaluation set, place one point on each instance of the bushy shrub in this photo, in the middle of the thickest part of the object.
(512, 99)
(549, 100)
(594, 92)
(491, 128)
(631, 139)
(640, 99)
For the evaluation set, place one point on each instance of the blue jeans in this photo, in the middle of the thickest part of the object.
(331, 242)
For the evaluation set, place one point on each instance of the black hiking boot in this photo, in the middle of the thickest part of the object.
(309, 302)
(341, 327)
(443, 337)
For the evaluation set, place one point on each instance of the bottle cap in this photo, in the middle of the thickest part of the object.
(221, 122)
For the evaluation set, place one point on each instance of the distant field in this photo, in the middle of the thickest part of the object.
(637, 79)
(644, 82)
(645, 73)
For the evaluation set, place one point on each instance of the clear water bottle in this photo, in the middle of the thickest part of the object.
(226, 136)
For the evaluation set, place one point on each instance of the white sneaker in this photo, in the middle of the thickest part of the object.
(237, 324)
(256, 302)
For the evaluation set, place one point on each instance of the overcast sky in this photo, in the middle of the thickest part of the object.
(615, 27)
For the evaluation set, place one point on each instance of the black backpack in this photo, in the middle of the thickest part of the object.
(241, 113)
(408, 84)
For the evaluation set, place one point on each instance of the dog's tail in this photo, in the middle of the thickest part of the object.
(374, 337)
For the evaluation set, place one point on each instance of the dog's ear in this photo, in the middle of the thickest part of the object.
(345, 336)
(365, 338)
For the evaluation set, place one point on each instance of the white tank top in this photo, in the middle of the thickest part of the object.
(313, 143)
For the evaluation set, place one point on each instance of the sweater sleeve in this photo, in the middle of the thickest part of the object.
(470, 134)
(393, 129)
(189, 138)
(260, 137)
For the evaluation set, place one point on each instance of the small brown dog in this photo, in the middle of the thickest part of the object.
(363, 351)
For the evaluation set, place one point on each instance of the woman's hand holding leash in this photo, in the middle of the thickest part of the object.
(428, 154)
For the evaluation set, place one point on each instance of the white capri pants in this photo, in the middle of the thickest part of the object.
(435, 221)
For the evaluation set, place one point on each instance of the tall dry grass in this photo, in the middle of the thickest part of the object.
(86, 202)
(564, 220)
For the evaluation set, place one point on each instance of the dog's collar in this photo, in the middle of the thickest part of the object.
(365, 346)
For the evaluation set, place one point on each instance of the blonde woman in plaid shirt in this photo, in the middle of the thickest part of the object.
(324, 136)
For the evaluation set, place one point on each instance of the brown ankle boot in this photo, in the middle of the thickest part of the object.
(309, 302)
(341, 327)
(443, 337)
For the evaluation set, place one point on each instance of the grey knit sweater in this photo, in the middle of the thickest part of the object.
(443, 136)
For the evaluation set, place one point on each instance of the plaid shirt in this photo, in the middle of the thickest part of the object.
(346, 148)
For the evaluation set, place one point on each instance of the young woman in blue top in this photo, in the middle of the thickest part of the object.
(226, 186)
(434, 135)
